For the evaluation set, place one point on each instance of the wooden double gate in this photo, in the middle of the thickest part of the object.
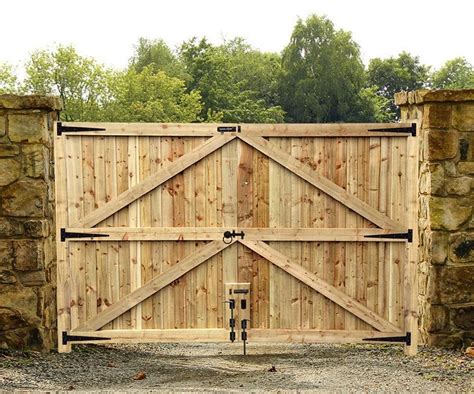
(320, 220)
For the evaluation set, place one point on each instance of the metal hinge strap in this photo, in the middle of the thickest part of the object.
(68, 129)
(406, 339)
(80, 338)
(411, 129)
(408, 236)
(67, 234)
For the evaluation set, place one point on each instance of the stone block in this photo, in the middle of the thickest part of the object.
(461, 248)
(28, 255)
(10, 171)
(437, 179)
(463, 116)
(466, 168)
(32, 278)
(30, 127)
(7, 278)
(463, 317)
(437, 318)
(449, 213)
(21, 299)
(13, 101)
(11, 319)
(24, 198)
(6, 254)
(3, 125)
(439, 247)
(9, 150)
(442, 144)
(455, 284)
(36, 228)
(446, 340)
(437, 116)
(459, 186)
(10, 227)
(35, 160)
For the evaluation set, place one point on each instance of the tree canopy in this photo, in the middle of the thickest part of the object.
(318, 77)
(457, 73)
(393, 75)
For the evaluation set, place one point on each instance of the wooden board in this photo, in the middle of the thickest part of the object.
(321, 211)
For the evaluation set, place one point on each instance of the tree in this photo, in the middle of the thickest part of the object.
(8, 79)
(457, 73)
(322, 73)
(149, 96)
(237, 83)
(81, 82)
(157, 55)
(393, 75)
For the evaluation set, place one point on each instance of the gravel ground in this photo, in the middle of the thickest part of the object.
(221, 367)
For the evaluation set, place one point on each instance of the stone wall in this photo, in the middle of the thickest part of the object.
(27, 249)
(446, 270)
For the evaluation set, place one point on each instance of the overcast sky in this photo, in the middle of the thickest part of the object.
(107, 30)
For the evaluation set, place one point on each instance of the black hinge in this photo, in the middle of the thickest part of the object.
(408, 235)
(411, 129)
(68, 129)
(229, 129)
(404, 339)
(80, 338)
(67, 234)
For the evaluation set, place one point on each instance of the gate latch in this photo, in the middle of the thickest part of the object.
(229, 235)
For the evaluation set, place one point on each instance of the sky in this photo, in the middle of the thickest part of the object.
(107, 30)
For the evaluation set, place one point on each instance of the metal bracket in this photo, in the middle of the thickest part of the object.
(411, 130)
(408, 235)
(229, 129)
(404, 339)
(68, 129)
(67, 234)
(80, 338)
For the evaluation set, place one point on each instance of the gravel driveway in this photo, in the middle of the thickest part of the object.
(221, 367)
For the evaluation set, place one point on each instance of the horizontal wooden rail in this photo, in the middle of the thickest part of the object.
(261, 130)
(216, 233)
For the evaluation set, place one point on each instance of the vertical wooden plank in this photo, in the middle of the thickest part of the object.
(260, 286)
(373, 200)
(177, 192)
(383, 248)
(63, 264)
(340, 221)
(200, 273)
(351, 222)
(156, 163)
(75, 211)
(330, 221)
(119, 254)
(317, 250)
(145, 214)
(410, 281)
(275, 274)
(167, 221)
(88, 300)
(294, 248)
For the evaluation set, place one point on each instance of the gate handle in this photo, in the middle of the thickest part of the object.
(229, 236)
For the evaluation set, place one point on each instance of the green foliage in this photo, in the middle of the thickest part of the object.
(457, 73)
(8, 79)
(147, 96)
(237, 84)
(323, 73)
(81, 82)
(158, 56)
(393, 75)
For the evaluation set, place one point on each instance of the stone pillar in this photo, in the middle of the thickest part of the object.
(446, 266)
(27, 249)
